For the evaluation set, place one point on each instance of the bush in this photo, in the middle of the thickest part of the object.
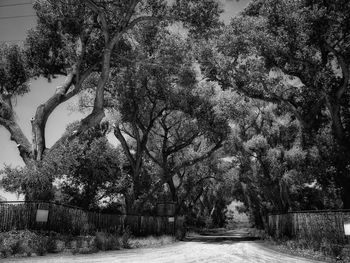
(27, 243)
(22, 242)
(126, 238)
(105, 241)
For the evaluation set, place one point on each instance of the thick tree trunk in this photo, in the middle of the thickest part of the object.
(44, 111)
(34, 152)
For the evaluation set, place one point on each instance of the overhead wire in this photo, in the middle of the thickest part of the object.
(12, 41)
(11, 17)
(18, 4)
(15, 17)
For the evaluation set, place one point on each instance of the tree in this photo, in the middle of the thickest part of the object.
(295, 54)
(179, 141)
(140, 90)
(273, 173)
(13, 82)
(80, 39)
(317, 53)
(80, 172)
(157, 76)
(203, 191)
(89, 170)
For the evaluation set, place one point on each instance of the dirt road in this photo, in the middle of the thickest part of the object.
(213, 249)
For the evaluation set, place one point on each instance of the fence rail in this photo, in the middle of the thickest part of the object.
(68, 219)
(310, 225)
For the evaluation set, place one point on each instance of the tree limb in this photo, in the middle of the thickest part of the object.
(121, 139)
(217, 146)
(345, 71)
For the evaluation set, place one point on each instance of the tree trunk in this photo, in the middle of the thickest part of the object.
(172, 189)
(345, 194)
(129, 203)
(97, 114)
(44, 111)
(34, 152)
(343, 153)
(337, 126)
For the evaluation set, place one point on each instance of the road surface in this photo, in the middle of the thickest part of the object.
(222, 248)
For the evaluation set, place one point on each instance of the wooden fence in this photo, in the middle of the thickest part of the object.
(314, 226)
(67, 219)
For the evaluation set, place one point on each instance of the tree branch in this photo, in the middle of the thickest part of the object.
(121, 139)
(141, 19)
(345, 71)
(217, 146)
(94, 7)
(18, 136)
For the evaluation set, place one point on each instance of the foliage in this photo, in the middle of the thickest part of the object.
(285, 65)
(271, 171)
(13, 71)
(257, 110)
(158, 88)
(87, 170)
(29, 181)
(125, 240)
(236, 216)
(105, 241)
(21, 242)
(27, 243)
(79, 172)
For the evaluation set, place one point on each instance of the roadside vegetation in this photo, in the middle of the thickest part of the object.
(323, 252)
(25, 243)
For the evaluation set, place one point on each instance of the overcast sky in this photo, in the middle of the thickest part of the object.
(15, 21)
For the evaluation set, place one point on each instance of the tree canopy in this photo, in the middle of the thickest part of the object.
(256, 110)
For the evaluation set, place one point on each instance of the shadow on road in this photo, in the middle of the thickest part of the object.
(222, 236)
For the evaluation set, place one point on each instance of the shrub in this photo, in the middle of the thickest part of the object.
(105, 241)
(51, 244)
(22, 242)
(84, 245)
(26, 243)
(126, 238)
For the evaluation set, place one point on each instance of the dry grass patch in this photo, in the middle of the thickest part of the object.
(151, 241)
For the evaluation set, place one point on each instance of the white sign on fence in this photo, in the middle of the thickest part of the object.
(42, 215)
(347, 228)
(171, 219)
